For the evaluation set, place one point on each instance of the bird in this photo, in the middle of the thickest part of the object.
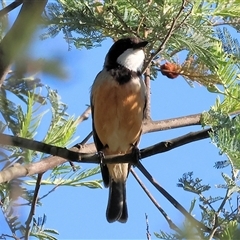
(118, 101)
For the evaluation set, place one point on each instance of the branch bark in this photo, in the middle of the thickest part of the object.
(10, 7)
(172, 200)
(155, 126)
(167, 37)
(147, 80)
(80, 155)
(171, 224)
(33, 206)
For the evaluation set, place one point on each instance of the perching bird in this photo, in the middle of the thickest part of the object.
(118, 100)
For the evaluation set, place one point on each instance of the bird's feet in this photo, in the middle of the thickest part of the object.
(104, 169)
(136, 155)
(101, 157)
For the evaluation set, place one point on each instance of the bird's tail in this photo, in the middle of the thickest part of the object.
(117, 205)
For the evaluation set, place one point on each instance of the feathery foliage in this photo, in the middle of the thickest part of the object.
(24, 119)
(194, 35)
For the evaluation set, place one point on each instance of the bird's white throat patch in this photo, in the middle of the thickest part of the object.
(132, 59)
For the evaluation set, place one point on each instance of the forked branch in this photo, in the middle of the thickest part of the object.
(77, 155)
(171, 224)
(173, 201)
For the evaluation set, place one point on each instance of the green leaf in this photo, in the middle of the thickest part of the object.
(53, 231)
(62, 127)
(73, 179)
(230, 230)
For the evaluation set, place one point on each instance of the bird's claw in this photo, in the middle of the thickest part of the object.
(136, 155)
(101, 157)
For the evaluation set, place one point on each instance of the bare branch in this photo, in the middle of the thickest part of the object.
(185, 121)
(147, 80)
(18, 170)
(155, 126)
(85, 115)
(3, 236)
(52, 190)
(10, 7)
(38, 146)
(33, 206)
(154, 201)
(147, 229)
(172, 200)
(85, 140)
(77, 155)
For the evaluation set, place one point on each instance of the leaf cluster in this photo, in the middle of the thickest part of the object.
(209, 56)
(197, 32)
(24, 118)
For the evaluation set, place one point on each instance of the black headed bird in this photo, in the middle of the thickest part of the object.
(118, 100)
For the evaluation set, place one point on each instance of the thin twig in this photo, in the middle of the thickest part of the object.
(147, 114)
(10, 7)
(147, 229)
(227, 195)
(139, 25)
(206, 201)
(3, 236)
(167, 37)
(85, 140)
(154, 201)
(123, 23)
(218, 222)
(184, 19)
(172, 200)
(214, 229)
(33, 206)
(52, 190)
(72, 165)
(85, 115)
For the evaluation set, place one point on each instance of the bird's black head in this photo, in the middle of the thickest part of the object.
(127, 52)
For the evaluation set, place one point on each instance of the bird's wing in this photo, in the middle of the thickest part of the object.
(99, 147)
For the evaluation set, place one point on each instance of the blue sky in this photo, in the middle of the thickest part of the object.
(79, 213)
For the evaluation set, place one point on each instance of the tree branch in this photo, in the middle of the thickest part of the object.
(84, 141)
(147, 229)
(155, 126)
(172, 200)
(51, 191)
(33, 206)
(185, 121)
(167, 37)
(10, 7)
(3, 236)
(154, 201)
(85, 115)
(147, 80)
(77, 155)
(20, 34)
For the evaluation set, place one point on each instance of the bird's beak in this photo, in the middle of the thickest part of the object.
(141, 44)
